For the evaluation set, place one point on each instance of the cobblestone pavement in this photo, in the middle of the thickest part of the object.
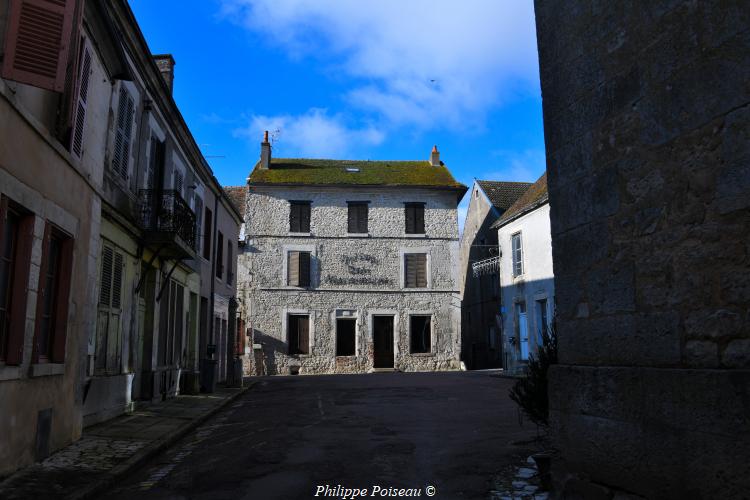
(519, 482)
(111, 448)
(290, 436)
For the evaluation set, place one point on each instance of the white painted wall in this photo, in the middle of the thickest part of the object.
(536, 282)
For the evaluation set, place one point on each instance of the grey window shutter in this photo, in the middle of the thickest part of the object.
(80, 117)
(293, 269)
(352, 218)
(362, 218)
(409, 219)
(127, 135)
(304, 269)
(117, 280)
(410, 271)
(105, 291)
(421, 270)
(294, 218)
(419, 219)
(305, 218)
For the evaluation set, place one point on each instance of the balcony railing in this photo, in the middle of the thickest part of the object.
(164, 212)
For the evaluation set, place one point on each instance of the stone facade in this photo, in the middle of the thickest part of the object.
(646, 114)
(352, 276)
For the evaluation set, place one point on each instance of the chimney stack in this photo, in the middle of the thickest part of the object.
(435, 157)
(265, 152)
(165, 63)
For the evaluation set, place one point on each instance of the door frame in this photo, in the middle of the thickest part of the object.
(396, 332)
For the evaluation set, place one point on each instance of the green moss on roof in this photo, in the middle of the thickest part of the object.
(371, 173)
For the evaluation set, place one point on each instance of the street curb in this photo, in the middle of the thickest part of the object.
(149, 451)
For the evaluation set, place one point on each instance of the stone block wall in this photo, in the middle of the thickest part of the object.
(647, 125)
(360, 274)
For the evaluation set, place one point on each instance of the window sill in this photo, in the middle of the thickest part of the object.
(417, 289)
(358, 235)
(415, 235)
(47, 369)
(10, 372)
(346, 356)
(300, 234)
(423, 354)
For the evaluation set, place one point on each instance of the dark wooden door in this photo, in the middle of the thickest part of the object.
(382, 330)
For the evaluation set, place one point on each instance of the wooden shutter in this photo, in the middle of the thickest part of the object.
(409, 216)
(304, 269)
(63, 299)
(419, 219)
(357, 222)
(37, 41)
(79, 121)
(293, 278)
(123, 133)
(105, 283)
(303, 334)
(20, 290)
(352, 218)
(304, 219)
(410, 271)
(421, 270)
(294, 218)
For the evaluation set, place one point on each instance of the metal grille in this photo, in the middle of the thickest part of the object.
(166, 211)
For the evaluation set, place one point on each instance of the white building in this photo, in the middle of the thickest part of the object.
(526, 277)
(351, 266)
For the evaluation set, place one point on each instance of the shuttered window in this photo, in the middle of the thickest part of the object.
(298, 326)
(420, 332)
(178, 180)
(16, 238)
(298, 269)
(220, 256)
(53, 296)
(357, 217)
(230, 275)
(108, 331)
(39, 34)
(414, 215)
(415, 270)
(299, 216)
(517, 254)
(79, 122)
(123, 133)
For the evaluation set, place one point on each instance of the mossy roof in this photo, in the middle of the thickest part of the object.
(237, 195)
(535, 196)
(290, 171)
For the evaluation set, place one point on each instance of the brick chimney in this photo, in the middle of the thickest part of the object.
(165, 63)
(435, 157)
(265, 152)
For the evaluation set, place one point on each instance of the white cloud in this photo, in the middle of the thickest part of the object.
(429, 63)
(315, 134)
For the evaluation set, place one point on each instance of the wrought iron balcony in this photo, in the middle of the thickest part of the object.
(168, 222)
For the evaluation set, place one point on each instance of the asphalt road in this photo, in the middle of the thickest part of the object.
(288, 436)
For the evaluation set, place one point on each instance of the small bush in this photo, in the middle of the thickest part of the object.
(530, 392)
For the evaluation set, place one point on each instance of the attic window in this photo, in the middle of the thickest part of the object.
(352, 169)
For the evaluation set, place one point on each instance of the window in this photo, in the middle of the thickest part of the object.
(79, 120)
(108, 332)
(52, 298)
(414, 213)
(178, 180)
(42, 33)
(123, 133)
(298, 269)
(207, 219)
(220, 256)
(299, 216)
(415, 270)
(420, 333)
(298, 326)
(230, 275)
(357, 217)
(345, 336)
(16, 237)
(517, 253)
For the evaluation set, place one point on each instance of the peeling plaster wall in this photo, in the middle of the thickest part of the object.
(360, 274)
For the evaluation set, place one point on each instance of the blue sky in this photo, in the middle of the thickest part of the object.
(365, 79)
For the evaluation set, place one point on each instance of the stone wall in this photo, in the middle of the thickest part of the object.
(362, 275)
(646, 114)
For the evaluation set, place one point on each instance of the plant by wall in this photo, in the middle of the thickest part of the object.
(530, 392)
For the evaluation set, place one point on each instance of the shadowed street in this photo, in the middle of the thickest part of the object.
(289, 435)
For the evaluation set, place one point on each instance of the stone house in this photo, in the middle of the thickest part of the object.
(100, 182)
(527, 283)
(479, 265)
(350, 266)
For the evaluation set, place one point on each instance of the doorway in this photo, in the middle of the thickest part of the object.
(382, 337)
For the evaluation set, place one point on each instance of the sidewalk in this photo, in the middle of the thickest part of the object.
(108, 451)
